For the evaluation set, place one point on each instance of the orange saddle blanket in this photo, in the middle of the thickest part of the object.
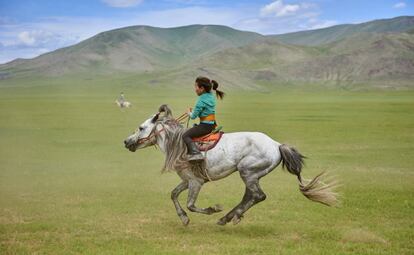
(208, 142)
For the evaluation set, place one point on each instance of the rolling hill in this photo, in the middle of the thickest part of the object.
(134, 49)
(362, 57)
(335, 33)
(381, 50)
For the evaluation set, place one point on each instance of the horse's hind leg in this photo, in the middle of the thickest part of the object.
(229, 216)
(250, 174)
(253, 195)
(174, 196)
(194, 188)
(257, 196)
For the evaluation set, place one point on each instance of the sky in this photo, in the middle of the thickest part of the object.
(29, 28)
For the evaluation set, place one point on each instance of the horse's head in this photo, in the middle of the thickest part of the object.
(145, 134)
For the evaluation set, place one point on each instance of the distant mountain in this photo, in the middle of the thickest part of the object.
(381, 50)
(363, 57)
(135, 49)
(335, 33)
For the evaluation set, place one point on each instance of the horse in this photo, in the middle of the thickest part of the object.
(252, 154)
(124, 104)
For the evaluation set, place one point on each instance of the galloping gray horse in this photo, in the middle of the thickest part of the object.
(252, 154)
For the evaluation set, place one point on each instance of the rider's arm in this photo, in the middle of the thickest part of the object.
(197, 109)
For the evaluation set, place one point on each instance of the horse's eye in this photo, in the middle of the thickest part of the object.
(140, 128)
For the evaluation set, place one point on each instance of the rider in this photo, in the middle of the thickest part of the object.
(121, 99)
(205, 109)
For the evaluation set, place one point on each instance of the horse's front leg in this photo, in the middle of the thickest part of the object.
(194, 188)
(174, 196)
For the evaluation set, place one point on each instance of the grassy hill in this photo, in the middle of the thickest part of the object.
(360, 58)
(380, 51)
(364, 57)
(335, 33)
(135, 49)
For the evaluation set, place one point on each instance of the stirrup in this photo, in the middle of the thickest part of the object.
(195, 157)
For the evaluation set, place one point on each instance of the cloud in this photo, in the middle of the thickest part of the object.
(122, 3)
(278, 17)
(400, 5)
(37, 38)
(27, 40)
(279, 9)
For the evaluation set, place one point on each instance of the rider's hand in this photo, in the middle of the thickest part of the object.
(189, 111)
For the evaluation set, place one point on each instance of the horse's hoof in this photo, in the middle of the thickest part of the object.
(222, 222)
(214, 209)
(236, 219)
(185, 221)
(218, 208)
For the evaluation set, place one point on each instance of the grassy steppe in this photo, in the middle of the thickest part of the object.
(67, 185)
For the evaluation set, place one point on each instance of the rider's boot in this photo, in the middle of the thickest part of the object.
(193, 153)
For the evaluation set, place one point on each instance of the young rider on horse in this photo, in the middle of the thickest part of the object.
(205, 109)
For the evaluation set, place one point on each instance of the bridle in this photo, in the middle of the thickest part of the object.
(154, 132)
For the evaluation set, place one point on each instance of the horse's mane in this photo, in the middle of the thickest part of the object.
(176, 150)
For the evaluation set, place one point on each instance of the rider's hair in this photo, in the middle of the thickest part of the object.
(208, 84)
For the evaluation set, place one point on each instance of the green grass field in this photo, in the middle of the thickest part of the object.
(68, 186)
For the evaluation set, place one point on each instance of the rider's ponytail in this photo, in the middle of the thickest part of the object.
(208, 85)
(219, 94)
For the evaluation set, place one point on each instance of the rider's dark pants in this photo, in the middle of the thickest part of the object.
(197, 131)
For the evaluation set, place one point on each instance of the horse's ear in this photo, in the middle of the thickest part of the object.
(166, 110)
(155, 118)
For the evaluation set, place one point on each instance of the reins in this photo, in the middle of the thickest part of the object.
(182, 117)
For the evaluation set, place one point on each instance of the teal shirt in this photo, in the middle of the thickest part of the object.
(206, 105)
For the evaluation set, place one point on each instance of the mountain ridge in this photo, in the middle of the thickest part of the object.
(330, 34)
(239, 57)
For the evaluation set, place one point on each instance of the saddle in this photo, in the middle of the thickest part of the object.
(209, 141)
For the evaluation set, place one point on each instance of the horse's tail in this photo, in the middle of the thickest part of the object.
(314, 190)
